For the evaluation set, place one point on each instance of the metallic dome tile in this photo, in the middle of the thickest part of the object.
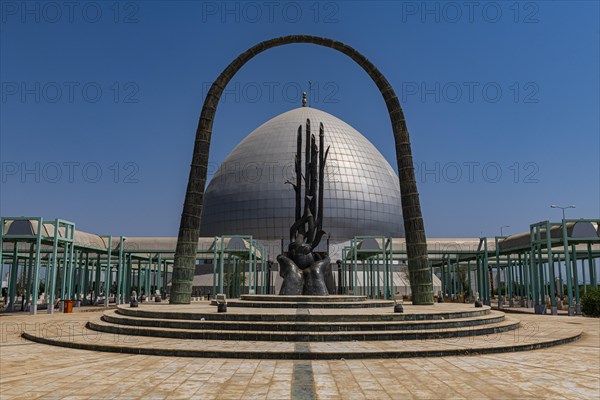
(248, 194)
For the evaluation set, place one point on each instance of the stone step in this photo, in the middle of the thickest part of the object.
(545, 334)
(314, 304)
(332, 325)
(208, 313)
(301, 336)
(303, 298)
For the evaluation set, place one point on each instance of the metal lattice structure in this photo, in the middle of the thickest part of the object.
(530, 270)
(50, 262)
(55, 261)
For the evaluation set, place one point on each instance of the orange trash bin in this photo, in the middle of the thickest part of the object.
(68, 306)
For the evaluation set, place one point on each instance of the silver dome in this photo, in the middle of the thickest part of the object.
(248, 194)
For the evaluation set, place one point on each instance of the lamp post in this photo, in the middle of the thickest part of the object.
(502, 227)
(562, 208)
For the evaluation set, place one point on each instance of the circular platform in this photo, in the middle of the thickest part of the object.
(303, 298)
(313, 333)
(302, 301)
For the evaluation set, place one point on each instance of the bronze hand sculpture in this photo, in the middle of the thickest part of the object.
(304, 271)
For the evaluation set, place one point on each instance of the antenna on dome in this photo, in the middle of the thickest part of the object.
(309, 92)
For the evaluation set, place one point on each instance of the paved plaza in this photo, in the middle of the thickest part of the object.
(299, 200)
(32, 370)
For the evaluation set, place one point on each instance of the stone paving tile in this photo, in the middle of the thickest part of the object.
(31, 370)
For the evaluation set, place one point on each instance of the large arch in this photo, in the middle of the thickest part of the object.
(187, 241)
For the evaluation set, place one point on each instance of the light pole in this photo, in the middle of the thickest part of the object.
(502, 227)
(562, 208)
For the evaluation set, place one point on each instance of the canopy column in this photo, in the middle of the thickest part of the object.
(576, 280)
(570, 308)
(593, 277)
(98, 272)
(107, 273)
(12, 280)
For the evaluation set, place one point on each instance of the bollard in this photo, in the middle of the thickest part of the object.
(478, 302)
(133, 301)
(221, 303)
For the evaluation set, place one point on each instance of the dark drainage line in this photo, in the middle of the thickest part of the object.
(303, 383)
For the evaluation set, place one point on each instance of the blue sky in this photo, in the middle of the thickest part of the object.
(100, 102)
